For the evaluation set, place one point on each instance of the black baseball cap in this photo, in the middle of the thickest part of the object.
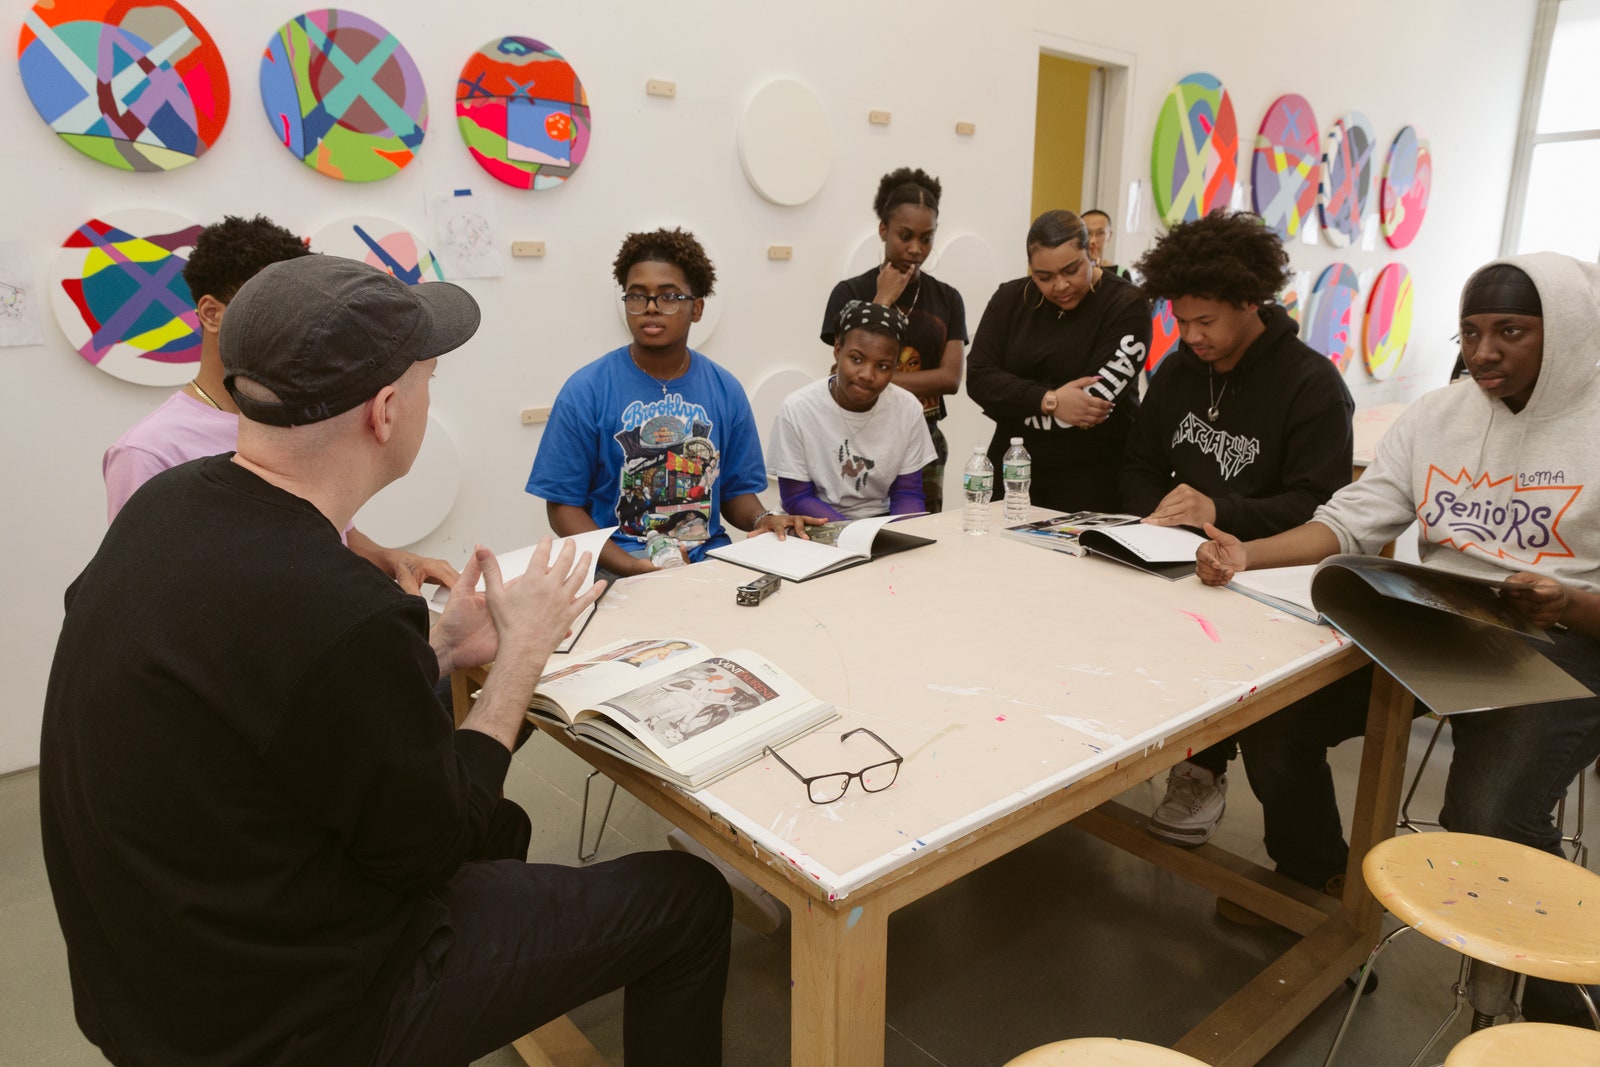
(326, 333)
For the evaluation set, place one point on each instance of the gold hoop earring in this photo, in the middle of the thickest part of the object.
(1092, 269)
(1035, 285)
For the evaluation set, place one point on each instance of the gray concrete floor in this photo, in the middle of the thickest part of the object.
(1066, 937)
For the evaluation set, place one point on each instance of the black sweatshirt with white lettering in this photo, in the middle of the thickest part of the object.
(1026, 346)
(1278, 448)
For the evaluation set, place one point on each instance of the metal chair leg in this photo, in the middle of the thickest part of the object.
(1588, 1002)
(1406, 822)
(1355, 997)
(583, 822)
(1461, 998)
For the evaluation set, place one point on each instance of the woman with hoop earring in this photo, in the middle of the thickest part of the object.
(1056, 360)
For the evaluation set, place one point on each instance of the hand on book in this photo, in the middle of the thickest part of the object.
(1184, 506)
(783, 525)
(1219, 559)
(1539, 599)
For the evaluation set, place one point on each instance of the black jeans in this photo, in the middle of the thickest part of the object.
(1510, 767)
(525, 943)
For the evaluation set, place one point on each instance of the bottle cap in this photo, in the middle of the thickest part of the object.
(978, 450)
(1016, 440)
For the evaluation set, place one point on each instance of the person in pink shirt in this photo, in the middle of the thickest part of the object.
(201, 419)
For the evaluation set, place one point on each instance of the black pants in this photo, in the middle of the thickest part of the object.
(526, 943)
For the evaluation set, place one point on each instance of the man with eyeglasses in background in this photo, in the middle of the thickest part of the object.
(1100, 234)
(653, 437)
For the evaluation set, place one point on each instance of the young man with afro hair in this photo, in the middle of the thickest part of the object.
(654, 437)
(1244, 426)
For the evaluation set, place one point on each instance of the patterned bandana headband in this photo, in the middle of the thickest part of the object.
(862, 315)
(1502, 288)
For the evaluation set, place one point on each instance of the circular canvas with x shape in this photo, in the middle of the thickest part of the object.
(119, 295)
(1346, 178)
(523, 113)
(135, 84)
(1195, 156)
(343, 95)
(1283, 171)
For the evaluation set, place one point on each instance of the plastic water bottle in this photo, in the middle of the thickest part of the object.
(1017, 470)
(662, 550)
(977, 481)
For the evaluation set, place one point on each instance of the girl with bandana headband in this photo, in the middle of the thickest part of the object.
(853, 445)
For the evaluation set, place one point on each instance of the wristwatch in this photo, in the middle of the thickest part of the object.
(1049, 404)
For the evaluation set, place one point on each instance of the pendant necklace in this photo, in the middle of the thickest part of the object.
(1216, 398)
(663, 383)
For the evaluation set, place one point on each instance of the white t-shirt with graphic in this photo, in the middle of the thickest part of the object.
(852, 457)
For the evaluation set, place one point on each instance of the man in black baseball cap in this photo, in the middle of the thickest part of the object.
(257, 824)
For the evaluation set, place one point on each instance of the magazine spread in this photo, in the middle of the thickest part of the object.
(675, 708)
(1448, 638)
(1059, 533)
(832, 546)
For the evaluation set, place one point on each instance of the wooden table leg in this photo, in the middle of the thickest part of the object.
(1382, 777)
(839, 965)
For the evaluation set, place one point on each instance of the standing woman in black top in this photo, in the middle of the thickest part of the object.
(1056, 361)
(907, 206)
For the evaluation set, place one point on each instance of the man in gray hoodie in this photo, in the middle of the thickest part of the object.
(1502, 475)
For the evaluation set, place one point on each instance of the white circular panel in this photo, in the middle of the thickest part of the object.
(785, 143)
(969, 266)
(407, 510)
(771, 391)
(392, 247)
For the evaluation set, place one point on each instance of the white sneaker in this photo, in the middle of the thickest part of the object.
(1192, 809)
(752, 905)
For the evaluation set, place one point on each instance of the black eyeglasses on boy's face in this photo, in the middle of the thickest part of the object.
(826, 788)
(666, 303)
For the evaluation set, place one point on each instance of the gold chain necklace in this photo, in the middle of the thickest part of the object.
(661, 382)
(194, 383)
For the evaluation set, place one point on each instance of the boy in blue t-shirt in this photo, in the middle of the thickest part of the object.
(654, 436)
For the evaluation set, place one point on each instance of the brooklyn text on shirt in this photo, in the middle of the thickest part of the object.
(1474, 512)
(640, 412)
(1233, 452)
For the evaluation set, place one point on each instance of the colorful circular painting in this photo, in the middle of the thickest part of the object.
(1403, 193)
(120, 297)
(1163, 336)
(380, 243)
(1346, 179)
(1283, 171)
(1333, 314)
(1195, 156)
(343, 95)
(135, 84)
(523, 113)
(1289, 300)
(1388, 328)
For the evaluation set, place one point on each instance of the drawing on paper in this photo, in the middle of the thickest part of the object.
(523, 113)
(134, 84)
(1284, 167)
(1163, 336)
(381, 243)
(1403, 193)
(1333, 314)
(1195, 155)
(464, 232)
(1388, 326)
(120, 296)
(19, 298)
(343, 95)
(1346, 183)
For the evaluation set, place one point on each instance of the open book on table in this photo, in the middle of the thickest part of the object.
(515, 564)
(1060, 533)
(1448, 638)
(833, 546)
(1164, 550)
(674, 708)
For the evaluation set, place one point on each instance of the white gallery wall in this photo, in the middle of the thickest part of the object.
(1455, 68)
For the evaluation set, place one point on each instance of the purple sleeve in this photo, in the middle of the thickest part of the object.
(800, 498)
(905, 495)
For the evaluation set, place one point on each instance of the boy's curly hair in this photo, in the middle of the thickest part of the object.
(1229, 256)
(906, 186)
(677, 247)
(231, 252)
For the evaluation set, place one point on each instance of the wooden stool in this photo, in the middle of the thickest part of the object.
(1494, 901)
(1522, 1044)
(1103, 1052)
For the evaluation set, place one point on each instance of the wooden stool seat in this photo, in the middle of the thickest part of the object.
(1522, 1044)
(1496, 901)
(1103, 1052)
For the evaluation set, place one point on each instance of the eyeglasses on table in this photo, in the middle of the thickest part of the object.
(827, 788)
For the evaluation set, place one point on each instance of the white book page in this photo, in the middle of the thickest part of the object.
(1156, 544)
(856, 538)
(792, 557)
(1290, 584)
